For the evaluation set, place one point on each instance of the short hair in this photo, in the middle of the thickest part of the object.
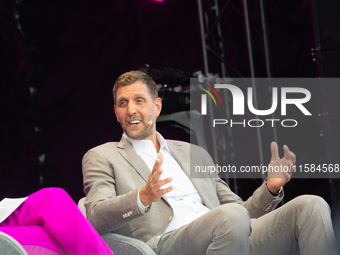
(131, 77)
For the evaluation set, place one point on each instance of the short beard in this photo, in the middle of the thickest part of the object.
(145, 132)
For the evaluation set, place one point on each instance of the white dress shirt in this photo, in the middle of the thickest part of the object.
(184, 199)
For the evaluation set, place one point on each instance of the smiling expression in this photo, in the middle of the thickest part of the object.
(134, 109)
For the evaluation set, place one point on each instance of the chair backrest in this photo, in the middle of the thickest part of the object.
(10, 246)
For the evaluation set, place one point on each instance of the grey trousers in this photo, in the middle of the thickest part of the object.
(301, 226)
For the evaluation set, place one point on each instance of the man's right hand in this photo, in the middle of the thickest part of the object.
(152, 191)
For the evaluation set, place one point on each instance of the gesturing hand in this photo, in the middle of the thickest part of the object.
(152, 191)
(277, 179)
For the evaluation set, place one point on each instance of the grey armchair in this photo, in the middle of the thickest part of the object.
(9, 246)
(121, 245)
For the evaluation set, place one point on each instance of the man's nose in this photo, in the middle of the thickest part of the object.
(131, 109)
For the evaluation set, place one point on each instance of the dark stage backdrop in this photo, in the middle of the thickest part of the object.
(19, 167)
(58, 68)
(74, 53)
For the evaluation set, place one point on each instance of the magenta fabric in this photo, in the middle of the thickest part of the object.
(50, 219)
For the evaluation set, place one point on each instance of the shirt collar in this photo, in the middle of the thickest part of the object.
(141, 146)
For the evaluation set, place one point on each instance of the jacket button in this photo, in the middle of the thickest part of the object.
(170, 218)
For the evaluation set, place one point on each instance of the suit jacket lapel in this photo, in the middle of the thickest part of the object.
(128, 152)
(202, 185)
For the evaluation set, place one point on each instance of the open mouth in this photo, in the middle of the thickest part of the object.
(134, 122)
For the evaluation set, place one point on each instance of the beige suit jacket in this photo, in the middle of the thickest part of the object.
(113, 173)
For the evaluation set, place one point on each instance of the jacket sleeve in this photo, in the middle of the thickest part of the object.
(105, 209)
(260, 203)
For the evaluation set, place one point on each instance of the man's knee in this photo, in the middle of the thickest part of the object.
(234, 211)
(235, 217)
(311, 202)
(54, 193)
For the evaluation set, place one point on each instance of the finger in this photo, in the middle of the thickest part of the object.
(291, 169)
(289, 164)
(157, 166)
(289, 155)
(158, 162)
(292, 157)
(166, 190)
(289, 173)
(286, 152)
(155, 175)
(160, 183)
(274, 150)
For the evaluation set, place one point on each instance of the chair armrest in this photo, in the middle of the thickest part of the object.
(121, 245)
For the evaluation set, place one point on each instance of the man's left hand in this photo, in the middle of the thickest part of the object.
(286, 166)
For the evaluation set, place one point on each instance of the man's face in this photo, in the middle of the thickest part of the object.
(135, 108)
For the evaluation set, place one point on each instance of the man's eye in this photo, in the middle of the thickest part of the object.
(140, 100)
(122, 103)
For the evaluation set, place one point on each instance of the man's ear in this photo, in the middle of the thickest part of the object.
(158, 104)
(114, 108)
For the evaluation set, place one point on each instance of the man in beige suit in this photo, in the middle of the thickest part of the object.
(141, 187)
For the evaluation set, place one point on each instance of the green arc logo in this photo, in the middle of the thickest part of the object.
(209, 93)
